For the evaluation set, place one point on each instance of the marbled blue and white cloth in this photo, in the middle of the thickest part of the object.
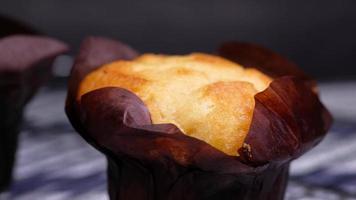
(54, 163)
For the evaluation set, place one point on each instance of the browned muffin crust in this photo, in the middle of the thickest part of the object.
(206, 96)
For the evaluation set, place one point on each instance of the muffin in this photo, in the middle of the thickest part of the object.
(25, 64)
(196, 126)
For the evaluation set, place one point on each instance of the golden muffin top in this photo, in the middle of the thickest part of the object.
(206, 96)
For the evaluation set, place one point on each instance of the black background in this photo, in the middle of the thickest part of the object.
(318, 35)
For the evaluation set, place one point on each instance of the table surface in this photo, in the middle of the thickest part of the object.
(55, 163)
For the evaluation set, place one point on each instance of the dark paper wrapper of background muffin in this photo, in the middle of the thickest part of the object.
(25, 64)
(157, 161)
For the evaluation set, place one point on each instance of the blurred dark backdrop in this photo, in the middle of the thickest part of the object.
(318, 35)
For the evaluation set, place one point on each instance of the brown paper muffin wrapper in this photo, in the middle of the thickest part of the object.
(24, 66)
(157, 161)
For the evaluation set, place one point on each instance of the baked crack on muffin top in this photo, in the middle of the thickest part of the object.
(205, 96)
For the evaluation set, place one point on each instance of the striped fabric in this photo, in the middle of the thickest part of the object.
(54, 163)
